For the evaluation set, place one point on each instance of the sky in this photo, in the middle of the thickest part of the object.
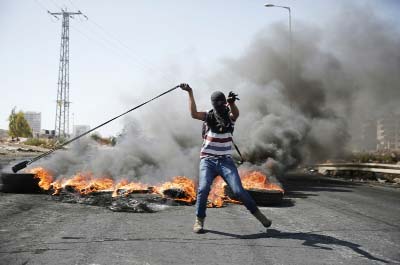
(127, 51)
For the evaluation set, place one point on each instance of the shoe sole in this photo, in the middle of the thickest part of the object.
(200, 231)
(269, 225)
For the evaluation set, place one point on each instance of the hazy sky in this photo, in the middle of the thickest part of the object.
(128, 50)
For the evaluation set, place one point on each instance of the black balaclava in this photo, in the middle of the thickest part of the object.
(221, 111)
(218, 101)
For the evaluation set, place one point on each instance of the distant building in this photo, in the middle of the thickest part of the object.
(369, 135)
(388, 132)
(50, 134)
(79, 129)
(34, 120)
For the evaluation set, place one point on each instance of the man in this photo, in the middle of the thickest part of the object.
(216, 154)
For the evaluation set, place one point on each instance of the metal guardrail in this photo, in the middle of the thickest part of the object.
(367, 167)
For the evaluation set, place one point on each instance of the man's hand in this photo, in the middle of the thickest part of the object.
(192, 103)
(185, 87)
(232, 97)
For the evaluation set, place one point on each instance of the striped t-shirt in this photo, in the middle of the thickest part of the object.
(216, 144)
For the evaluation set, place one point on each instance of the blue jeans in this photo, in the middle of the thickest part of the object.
(223, 166)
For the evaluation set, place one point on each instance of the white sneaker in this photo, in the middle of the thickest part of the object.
(198, 226)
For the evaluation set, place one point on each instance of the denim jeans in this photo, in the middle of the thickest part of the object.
(223, 166)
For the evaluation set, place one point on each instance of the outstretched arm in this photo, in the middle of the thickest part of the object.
(192, 104)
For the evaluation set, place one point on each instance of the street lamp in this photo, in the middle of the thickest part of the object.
(290, 15)
(290, 38)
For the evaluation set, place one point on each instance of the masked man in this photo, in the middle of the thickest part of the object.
(216, 154)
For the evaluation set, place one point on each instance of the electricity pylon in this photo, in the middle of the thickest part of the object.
(62, 103)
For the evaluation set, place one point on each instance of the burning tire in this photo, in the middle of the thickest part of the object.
(266, 197)
(260, 196)
(179, 196)
(20, 183)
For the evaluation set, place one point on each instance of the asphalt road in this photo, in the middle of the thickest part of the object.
(323, 221)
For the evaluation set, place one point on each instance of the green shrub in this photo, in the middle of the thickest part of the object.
(40, 142)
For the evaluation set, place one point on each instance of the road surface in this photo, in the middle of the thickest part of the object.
(322, 221)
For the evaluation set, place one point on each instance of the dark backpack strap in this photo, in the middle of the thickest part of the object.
(205, 128)
(238, 151)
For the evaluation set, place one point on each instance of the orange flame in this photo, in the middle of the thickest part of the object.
(128, 187)
(250, 180)
(257, 180)
(86, 183)
(217, 196)
(44, 176)
(183, 183)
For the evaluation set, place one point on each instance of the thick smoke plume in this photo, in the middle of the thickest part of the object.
(340, 75)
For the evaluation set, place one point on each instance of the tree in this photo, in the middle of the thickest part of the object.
(18, 126)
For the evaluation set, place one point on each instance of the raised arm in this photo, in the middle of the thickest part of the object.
(192, 104)
(234, 111)
(232, 97)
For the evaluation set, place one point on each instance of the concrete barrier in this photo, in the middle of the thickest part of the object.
(371, 171)
(367, 167)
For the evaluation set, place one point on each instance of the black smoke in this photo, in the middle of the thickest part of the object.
(299, 110)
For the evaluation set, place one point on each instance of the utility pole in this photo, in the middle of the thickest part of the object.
(62, 103)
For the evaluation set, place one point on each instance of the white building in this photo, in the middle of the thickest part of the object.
(79, 129)
(34, 120)
(369, 137)
(388, 132)
(48, 133)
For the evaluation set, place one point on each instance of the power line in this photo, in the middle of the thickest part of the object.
(73, 5)
(129, 55)
(101, 42)
(113, 40)
(120, 46)
(56, 4)
(41, 5)
(106, 44)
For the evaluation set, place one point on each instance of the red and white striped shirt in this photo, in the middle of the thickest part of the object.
(216, 144)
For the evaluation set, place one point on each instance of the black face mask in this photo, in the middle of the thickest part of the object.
(218, 102)
(221, 111)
